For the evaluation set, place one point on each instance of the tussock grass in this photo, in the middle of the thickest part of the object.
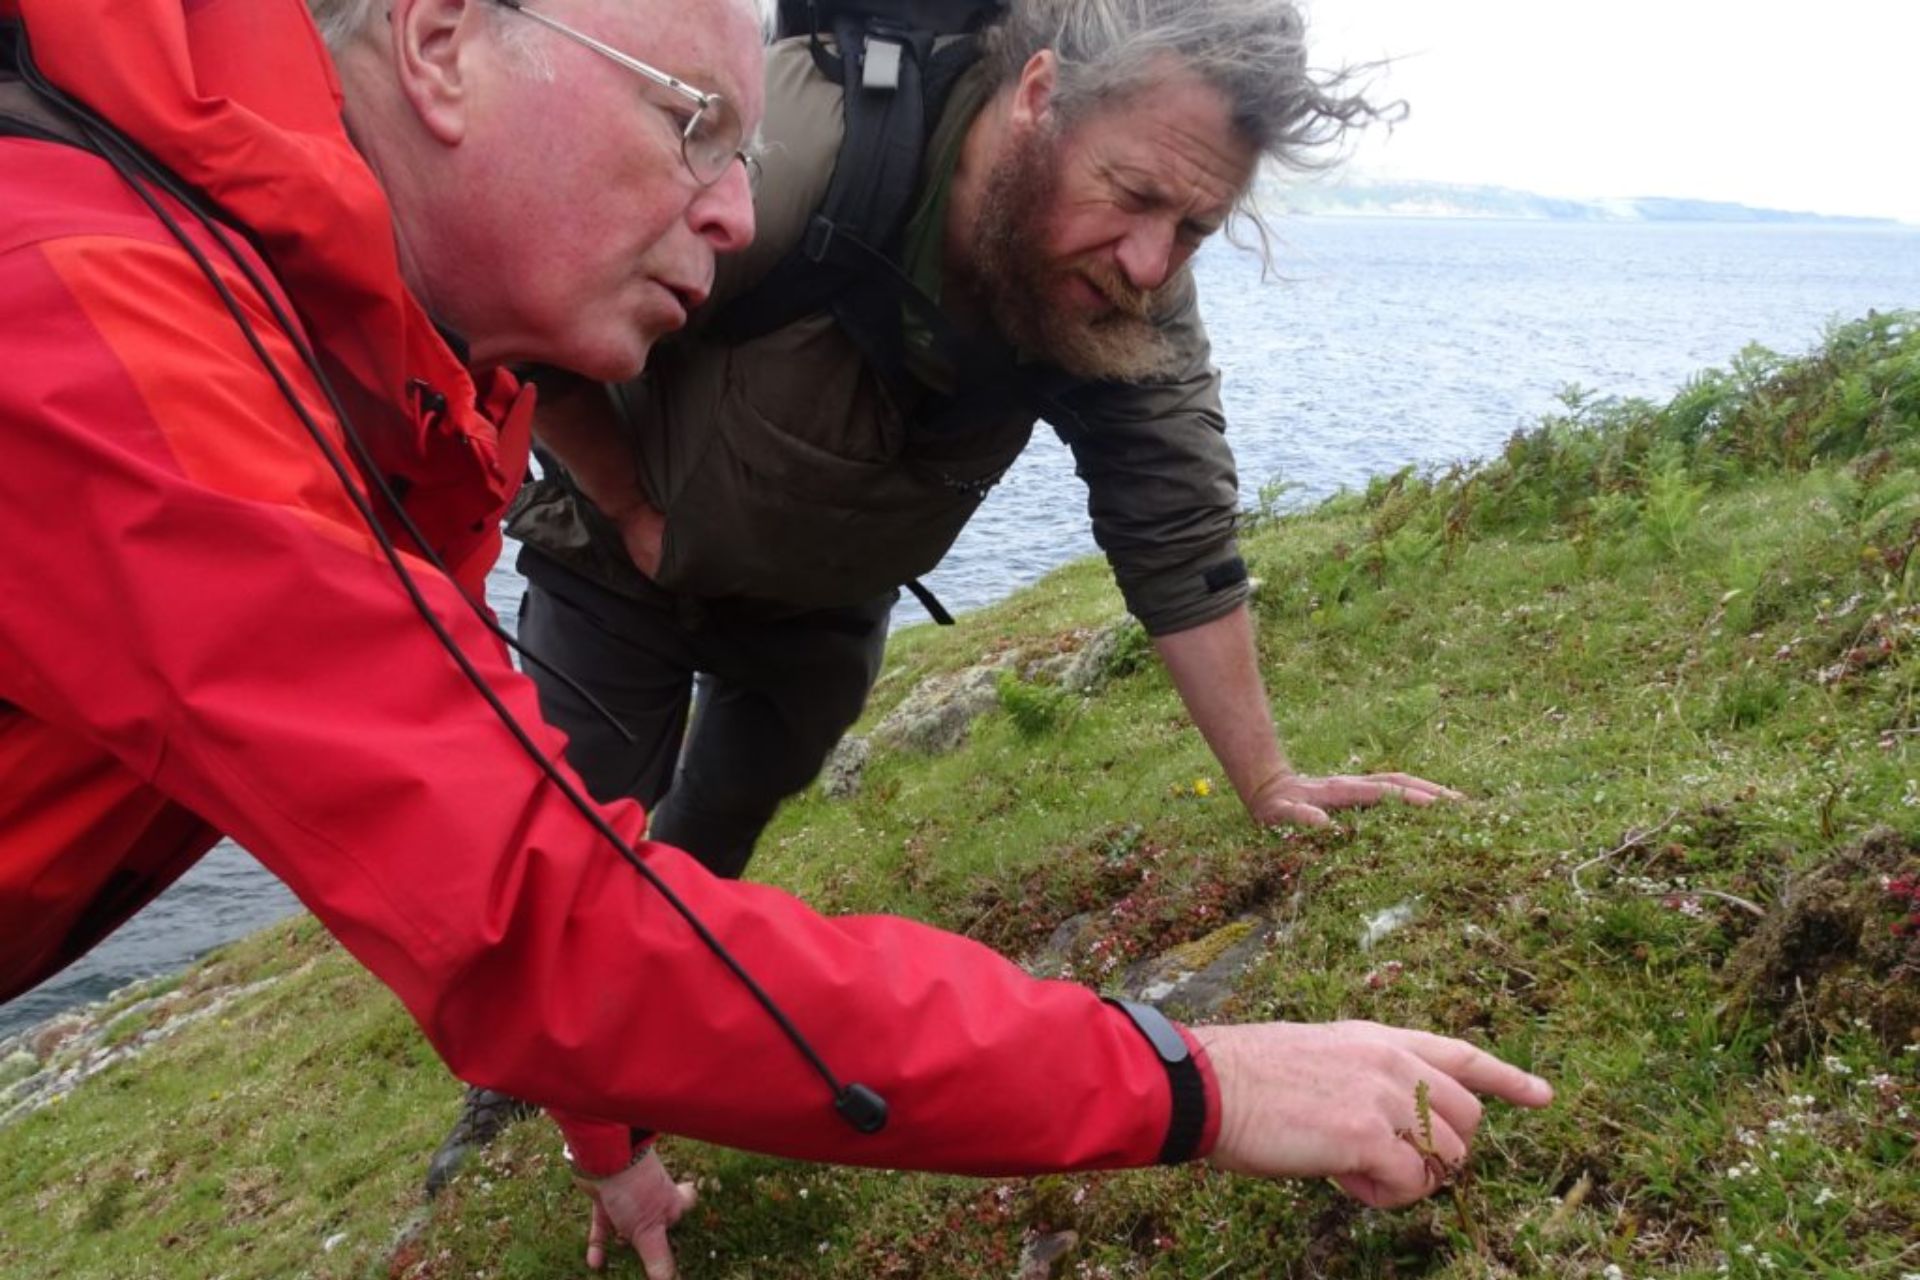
(1669, 652)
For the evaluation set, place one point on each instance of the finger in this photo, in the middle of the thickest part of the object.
(689, 1197)
(1361, 792)
(1347, 791)
(1412, 787)
(1300, 814)
(1392, 1174)
(597, 1238)
(1479, 1070)
(656, 1255)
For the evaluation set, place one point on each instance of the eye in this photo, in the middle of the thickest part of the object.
(1191, 235)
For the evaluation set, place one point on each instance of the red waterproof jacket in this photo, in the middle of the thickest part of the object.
(198, 635)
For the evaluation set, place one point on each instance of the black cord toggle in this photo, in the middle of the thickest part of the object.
(861, 1107)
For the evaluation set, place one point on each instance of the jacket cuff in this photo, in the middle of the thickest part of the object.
(1170, 603)
(1210, 1083)
(596, 1148)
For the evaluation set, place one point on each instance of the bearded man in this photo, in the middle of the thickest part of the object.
(762, 496)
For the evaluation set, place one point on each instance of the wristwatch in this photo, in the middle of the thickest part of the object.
(1188, 1119)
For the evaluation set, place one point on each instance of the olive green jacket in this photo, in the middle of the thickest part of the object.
(790, 476)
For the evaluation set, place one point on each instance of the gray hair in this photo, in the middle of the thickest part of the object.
(1252, 51)
(341, 22)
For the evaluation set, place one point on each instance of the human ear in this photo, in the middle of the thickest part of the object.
(435, 43)
(1033, 92)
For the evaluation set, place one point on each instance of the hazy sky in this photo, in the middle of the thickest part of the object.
(1786, 105)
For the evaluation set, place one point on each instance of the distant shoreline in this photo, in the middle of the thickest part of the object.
(1446, 201)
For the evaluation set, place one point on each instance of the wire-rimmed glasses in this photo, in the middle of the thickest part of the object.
(713, 137)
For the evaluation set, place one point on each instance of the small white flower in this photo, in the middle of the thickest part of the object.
(1836, 1066)
(1826, 1194)
(1613, 1272)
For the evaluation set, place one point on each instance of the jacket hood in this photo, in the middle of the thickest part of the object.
(240, 99)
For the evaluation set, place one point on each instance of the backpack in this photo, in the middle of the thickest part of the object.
(896, 83)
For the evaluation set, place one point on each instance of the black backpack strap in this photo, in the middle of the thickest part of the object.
(896, 85)
(930, 602)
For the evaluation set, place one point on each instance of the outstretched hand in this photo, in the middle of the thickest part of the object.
(637, 1206)
(1300, 800)
(1336, 1100)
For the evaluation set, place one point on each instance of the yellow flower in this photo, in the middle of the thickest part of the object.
(1203, 787)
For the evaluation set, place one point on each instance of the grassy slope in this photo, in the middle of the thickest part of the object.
(1701, 617)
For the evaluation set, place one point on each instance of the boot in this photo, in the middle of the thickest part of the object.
(484, 1115)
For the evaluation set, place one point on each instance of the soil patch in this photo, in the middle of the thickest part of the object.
(1840, 950)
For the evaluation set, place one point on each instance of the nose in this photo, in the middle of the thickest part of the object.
(722, 214)
(1148, 253)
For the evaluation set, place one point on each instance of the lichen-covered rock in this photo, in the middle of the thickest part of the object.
(935, 717)
(1105, 655)
(846, 765)
(1197, 979)
(1042, 1251)
(50, 1037)
(1070, 938)
(75, 1047)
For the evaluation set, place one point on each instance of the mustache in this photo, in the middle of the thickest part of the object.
(1128, 300)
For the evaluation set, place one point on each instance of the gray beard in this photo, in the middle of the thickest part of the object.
(1008, 271)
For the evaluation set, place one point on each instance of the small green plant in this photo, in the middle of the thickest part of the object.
(1748, 699)
(1036, 710)
(1266, 510)
(1410, 549)
(1446, 1173)
(104, 1212)
(1672, 504)
(1132, 649)
(126, 1027)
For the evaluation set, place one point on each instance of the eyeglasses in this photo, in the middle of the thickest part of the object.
(713, 137)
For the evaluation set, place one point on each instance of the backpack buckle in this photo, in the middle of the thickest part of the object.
(880, 67)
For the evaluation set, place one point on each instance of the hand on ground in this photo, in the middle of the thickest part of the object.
(1295, 798)
(637, 1206)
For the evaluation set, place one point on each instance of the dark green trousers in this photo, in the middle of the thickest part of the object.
(776, 692)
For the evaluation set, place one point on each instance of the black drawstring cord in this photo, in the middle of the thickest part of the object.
(859, 1105)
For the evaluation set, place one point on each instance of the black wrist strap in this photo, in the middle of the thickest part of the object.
(1189, 1115)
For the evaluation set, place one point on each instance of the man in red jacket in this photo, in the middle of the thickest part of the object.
(256, 302)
